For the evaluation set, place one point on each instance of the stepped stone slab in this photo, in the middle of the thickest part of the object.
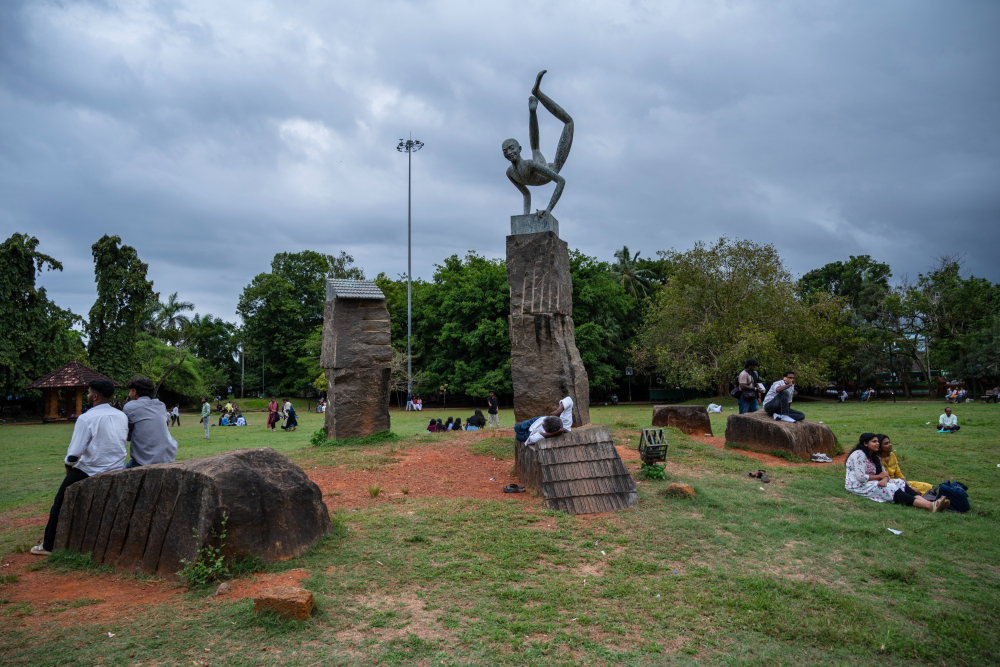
(691, 419)
(759, 431)
(147, 519)
(578, 472)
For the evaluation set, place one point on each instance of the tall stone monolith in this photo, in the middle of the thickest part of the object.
(545, 363)
(357, 357)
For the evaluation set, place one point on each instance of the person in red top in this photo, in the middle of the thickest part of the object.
(273, 412)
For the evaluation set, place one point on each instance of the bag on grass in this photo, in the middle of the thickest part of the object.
(956, 493)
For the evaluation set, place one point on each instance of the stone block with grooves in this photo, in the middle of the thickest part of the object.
(147, 519)
(691, 419)
(545, 362)
(759, 431)
(285, 601)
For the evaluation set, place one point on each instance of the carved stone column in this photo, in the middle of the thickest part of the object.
(545, 363)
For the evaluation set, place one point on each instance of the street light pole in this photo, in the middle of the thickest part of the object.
(409, 146)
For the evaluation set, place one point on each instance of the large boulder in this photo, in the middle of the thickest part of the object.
(691, 419)
(545, 362)
(759, 431)
(147, 519)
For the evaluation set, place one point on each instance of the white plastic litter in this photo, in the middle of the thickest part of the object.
(762, 488)
(111, 634)
(603, 554)
(657, 595)
(894, 531)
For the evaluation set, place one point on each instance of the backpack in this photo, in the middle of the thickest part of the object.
(737, 393)
(956, 493)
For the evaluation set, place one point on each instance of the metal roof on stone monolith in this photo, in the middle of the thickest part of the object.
(342, 288)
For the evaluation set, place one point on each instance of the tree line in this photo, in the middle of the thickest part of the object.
(679, 318)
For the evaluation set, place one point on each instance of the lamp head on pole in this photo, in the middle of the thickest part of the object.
(409, 145)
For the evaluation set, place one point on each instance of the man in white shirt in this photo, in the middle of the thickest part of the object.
(948, 422)
(97, 445)
(545, 427)
(842, 396)
(175, 415)
(565, 413)
(779, 398)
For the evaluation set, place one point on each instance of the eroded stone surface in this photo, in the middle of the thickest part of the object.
(545, 362)
(759, 431)
(691, 419)
(356, 358)
(147, 519)
(286, 601)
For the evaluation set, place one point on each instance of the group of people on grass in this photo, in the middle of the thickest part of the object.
(230, 415)
(286, 413)
(873, 472)
(99, 437)
(474, 423)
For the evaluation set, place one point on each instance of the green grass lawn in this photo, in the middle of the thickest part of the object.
(799, 573)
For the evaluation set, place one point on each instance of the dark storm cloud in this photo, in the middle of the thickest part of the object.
(211, 137)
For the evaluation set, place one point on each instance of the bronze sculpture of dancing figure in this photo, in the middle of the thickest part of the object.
(537, 171)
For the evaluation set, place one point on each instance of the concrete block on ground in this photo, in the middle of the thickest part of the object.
(286, 601)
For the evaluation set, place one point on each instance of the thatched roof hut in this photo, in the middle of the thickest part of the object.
(72, 380)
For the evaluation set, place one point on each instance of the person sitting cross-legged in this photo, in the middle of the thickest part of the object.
(948, 423)
(779, 398)
(97, 445)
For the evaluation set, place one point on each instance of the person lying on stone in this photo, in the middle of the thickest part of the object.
(148, 433)
(565, 413)
(534, 430)
(779, 399)
(891, 465)
(97, 445)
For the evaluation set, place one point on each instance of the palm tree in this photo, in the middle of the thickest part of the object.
(168, 317)
(627, 273)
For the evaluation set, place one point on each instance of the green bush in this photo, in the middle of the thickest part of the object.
(653, 471)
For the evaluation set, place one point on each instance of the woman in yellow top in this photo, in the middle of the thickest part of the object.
(891, 465)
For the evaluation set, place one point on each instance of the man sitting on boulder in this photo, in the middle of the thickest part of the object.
(147, 431)
(779, 398)
(97, 445)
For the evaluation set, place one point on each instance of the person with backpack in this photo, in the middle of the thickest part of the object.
(746, 384)
(867, 478)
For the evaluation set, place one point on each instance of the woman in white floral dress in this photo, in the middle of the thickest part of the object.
(865, 477)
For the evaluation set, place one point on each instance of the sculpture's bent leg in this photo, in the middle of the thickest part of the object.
(566, 138)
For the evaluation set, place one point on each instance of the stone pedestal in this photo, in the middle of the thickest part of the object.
(356, 356)
(545, 364)
(532, 224)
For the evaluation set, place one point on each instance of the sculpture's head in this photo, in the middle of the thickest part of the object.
(511, 149)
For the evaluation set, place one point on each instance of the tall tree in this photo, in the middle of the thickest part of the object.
(628, 272)
(281, 310)
(210, 340)
(164, 342)
(730, 301)
(124, 299)
(36, 336)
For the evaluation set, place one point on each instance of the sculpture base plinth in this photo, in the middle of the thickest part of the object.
(532, 224)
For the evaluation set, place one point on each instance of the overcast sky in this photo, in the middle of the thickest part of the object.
(211, 135)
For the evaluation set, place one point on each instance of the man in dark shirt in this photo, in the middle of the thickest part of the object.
(493, 409)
